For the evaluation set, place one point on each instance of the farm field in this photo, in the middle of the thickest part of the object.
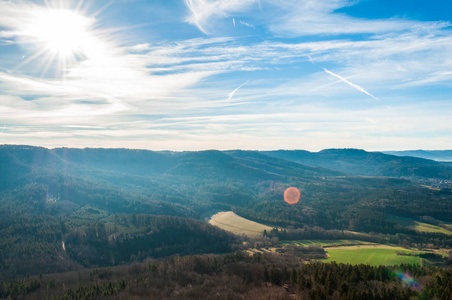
(371, 255)
(348, 251)
(231, 222)
(419, 226)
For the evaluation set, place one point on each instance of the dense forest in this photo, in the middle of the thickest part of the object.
(239, 276)
(68, 209)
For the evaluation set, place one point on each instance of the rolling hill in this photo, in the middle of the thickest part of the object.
(360, 162)
(438, 155)
(104, 203)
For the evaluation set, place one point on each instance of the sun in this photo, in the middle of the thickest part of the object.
(60, 35)
(61, 32)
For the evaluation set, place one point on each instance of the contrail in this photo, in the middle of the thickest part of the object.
(357, 87)
(3, 129)
(231, 94)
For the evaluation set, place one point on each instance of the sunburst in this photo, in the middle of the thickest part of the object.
(60, 35)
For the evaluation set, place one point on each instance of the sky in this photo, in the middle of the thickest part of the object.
(227, 74)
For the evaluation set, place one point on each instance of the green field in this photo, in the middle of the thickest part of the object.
(418, 226)
(229, 221)
(342, 251)
(360, 252)
(371, 255)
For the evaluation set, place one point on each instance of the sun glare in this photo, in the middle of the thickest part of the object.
(61, 31)
(60, 35)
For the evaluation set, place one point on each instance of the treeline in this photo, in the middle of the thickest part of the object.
(241, 276)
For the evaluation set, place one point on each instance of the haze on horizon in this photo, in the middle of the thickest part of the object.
(217, 74)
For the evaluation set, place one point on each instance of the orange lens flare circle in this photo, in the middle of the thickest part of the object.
(292, 195)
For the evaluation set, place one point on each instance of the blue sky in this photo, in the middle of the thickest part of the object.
(212, 74)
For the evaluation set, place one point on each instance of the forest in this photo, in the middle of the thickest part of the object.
(73, 211)
(238, 276)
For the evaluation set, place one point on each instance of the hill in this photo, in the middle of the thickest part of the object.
(66, 209)
(438, 155)
(360, 162)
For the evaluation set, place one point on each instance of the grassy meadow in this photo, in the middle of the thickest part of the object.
(374, 255)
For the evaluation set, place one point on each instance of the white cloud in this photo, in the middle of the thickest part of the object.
(247, 24)
(156, 77)
(140, 48)
(315, 127)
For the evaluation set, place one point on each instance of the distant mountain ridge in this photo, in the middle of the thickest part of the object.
(17, 161)
(145, 168)
(438, 155)
(360, 162)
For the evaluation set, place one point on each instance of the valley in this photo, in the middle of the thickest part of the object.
(114, 209)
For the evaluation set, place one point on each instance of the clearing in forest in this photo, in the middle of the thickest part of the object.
(374, 255)
(229, 221)
(418, 226)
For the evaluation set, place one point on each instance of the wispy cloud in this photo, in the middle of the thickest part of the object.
(231, 94)
(247, 24)
(355, 86)
(300, 18)
(311, 17)
(203, 11)
(316, 128)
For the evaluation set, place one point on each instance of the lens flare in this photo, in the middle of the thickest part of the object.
(408, 280)
(292, 195)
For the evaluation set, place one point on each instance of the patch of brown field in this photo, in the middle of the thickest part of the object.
(229, 221)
